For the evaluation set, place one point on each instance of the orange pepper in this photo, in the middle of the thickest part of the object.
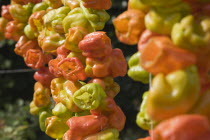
(183, 127)
(129, 26)
(5, 12)
(36, 20)
(24, 44)
(88, 125)
(165, 57)
(62, 52)
(98, 4)
(53, 67)
(44, 76)
(96, 45)
(72, 69)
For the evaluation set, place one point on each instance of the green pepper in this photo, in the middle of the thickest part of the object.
(86, 18)
(136, 72)
(89, 96)
(165, 18)
(42, 118)
(39, 7)
(29, 32)
(173, 94)
(142, 119)
(108, 134)
(21, 13)
(189, 34)
(61, 111)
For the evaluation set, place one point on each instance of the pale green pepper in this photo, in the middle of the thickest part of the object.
(61, 111)
(165, 18)
(86, 18)
(89, 96)
(189, 34)
(21, 13)
(173, 94)
(136, 72)
(29, 32)
(39, 7)
(42, 118)
(142, 119)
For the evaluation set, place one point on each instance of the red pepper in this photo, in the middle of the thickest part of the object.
(5, 12)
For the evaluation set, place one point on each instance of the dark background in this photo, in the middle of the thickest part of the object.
(16, 89)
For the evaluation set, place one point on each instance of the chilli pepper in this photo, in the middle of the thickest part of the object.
(5, 12)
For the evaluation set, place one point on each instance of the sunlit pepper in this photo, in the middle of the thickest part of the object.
(43, 76)
(97, 4)
(96, 45)
(173, 94)
(78, 55)
(56, 87)
(35, 110)
(136, 72)
(40, 6)
(43, 115)
(72, 69)
(21, 13)
(165, 57)
(129, 25)
(88, 125)
(183, 127)
(54, 3)
(108, 134)
(14, 30)
(89, 96)
(55, 127)
(28, 31)
(5, 12)
(36, 21)
(71, 3)
(73, 37)
(41, 95)
(165, 18)
(36, 59)
(137, 4)
(189, 34)
(53, 19)
(86, 18)
(142, 119)
(61, 111)
(53, 67)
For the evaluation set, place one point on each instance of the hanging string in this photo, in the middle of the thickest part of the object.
(16, 71)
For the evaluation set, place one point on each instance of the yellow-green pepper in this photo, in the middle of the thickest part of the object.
(42, 118)
(39, 7)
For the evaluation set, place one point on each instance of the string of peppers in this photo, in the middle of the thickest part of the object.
(173, 38)
(75, 63)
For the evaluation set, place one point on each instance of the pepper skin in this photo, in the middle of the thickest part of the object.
(5, 12)
(138, 5)
(97, 4)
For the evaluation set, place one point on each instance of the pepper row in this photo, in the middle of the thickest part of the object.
(173, 39)
(76, 65)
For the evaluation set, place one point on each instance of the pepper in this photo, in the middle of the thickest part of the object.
(160, 3)
(97, 4)
(56, 87)
(36, 21)
(3, 24)
(137, 4)
(86, 18)
(61, 111)
(39, 7)
(71, 3)
(173, 94)
(78, 55)
(165, 17)
(42, 118)
(54, 3)
(129, 25)
(5, 12)
(136, 72)
(108, 134)
(190, 35)
(89, 96)
(28, 31)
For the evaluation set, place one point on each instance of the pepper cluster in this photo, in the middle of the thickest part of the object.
(173, 40)
(75, 65)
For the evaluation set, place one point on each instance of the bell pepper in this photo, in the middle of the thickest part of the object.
(110, 87)
(44, 76)
(36, 59)
(28, 31)
(165, 57)
(88, 125)
(39, 7)
(72, 69)
(24, 44)
(21, 13)
(5, 12)
(142, 119)
(55, 127)
(89, 96)
(61, 111)
(173, 94)
(14, 30)
(189, 34)
(86, 18)
(129, 25)
(136, 72)
(183, 127)
(54, 3)
(41, 95)
(96, 45)
(73, 37)
(53, 19)
(36, 21)
(138, 5)
(107, 134)
(42, 118)
(165, 17)
(97, 4)
(71, 3)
